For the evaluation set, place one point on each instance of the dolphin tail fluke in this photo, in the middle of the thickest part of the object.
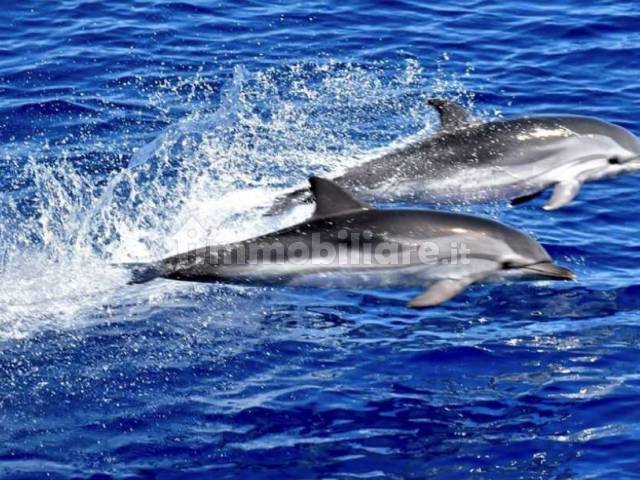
(142, 272)
(288, 201)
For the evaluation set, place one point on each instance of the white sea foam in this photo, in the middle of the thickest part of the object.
(203, 180)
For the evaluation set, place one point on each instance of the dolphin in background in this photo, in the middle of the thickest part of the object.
(470, 161)
(348, 243)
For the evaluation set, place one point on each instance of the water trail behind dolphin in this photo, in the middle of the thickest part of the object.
(202, 180)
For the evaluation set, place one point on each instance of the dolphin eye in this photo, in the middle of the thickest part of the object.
(508, 264)
(614, 161)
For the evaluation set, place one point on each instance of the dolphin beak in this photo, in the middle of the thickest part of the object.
(632, 165)
(550, 271)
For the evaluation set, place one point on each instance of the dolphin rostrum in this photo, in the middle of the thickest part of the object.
(349, 243)
(471, 161)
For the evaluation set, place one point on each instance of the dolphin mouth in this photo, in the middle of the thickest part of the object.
(550, 271)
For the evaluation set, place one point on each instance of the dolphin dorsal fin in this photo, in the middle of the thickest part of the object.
(452, 115)
(332, 199)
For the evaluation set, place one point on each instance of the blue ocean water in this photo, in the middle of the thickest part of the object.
(131, 130)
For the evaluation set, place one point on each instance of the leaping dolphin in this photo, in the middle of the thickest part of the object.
(349, 243)
(470, 161)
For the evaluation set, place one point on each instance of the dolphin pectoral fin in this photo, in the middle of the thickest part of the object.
(563, 193)
(452, 115)
(440, 292)
(525, 198)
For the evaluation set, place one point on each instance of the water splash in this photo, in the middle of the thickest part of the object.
(203, 180)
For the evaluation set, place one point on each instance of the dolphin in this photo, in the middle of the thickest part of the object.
(348, 243)
(471, 161)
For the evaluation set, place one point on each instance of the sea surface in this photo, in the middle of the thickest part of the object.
(134, 130)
